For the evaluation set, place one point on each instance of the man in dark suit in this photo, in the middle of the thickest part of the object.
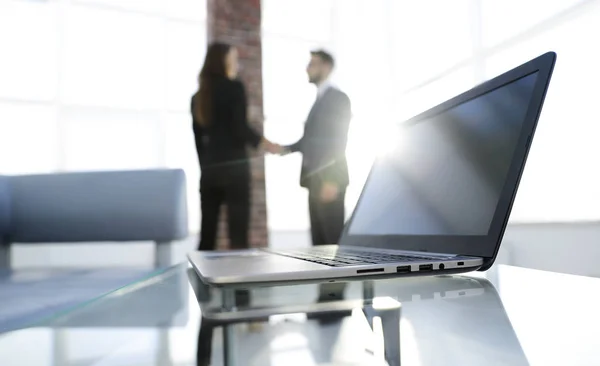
(323, 147)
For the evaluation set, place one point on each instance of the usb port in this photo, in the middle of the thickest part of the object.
(403, 269)
(426, 267)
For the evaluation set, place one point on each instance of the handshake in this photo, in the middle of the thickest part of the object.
(273, 148)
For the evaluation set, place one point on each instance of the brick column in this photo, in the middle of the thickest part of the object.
(238, 23)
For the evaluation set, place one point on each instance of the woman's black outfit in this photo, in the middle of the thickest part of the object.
(224, 163)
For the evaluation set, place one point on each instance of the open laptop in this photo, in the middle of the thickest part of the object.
(439, 202)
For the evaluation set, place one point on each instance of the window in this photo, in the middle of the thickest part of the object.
(399, 58)
(121, 65)
(523, 16)
(429, 37)
(98, 139)
(300, 19)
(146, 6)
(180, 152)
(100, 85)
(560, 181)
(186, 46)
(28, 138)
(187, 9)
(288, 95)
(29, 43)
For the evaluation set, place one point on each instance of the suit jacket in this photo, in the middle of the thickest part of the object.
(323, 145)
(221, 146)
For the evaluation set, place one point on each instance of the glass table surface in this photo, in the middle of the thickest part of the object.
(506, 316)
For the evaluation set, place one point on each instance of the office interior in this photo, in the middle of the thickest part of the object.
(105, 86)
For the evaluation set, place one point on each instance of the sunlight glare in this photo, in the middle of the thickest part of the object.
(388, 140)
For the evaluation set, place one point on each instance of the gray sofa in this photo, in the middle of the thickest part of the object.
(117, 206)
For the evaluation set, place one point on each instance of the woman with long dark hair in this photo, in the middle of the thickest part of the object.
(222, 132)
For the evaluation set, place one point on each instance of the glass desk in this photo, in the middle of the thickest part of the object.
(506, 316)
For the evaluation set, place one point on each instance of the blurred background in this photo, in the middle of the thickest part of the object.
(105, 85)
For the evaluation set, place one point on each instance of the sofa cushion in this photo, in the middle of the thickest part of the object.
(99, 206)
(4, 208)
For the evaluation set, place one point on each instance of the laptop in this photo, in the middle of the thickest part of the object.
(437, 203)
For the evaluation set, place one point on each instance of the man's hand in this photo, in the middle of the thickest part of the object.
(275, 149)
(284, 151)
(329, 192)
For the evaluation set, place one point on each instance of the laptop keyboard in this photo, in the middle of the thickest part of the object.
(344, 257)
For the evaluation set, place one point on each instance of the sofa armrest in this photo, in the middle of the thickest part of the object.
(143, 205)
(5, 214)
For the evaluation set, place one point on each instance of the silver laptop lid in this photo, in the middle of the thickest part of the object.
(449, 183)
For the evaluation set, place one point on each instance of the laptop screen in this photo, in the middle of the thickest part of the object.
(446, 173)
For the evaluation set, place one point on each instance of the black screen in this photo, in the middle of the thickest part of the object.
(445, 174)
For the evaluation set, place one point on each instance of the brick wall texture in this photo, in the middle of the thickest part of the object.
(238, 23)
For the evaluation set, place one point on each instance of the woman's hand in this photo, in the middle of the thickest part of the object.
(272, 147)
